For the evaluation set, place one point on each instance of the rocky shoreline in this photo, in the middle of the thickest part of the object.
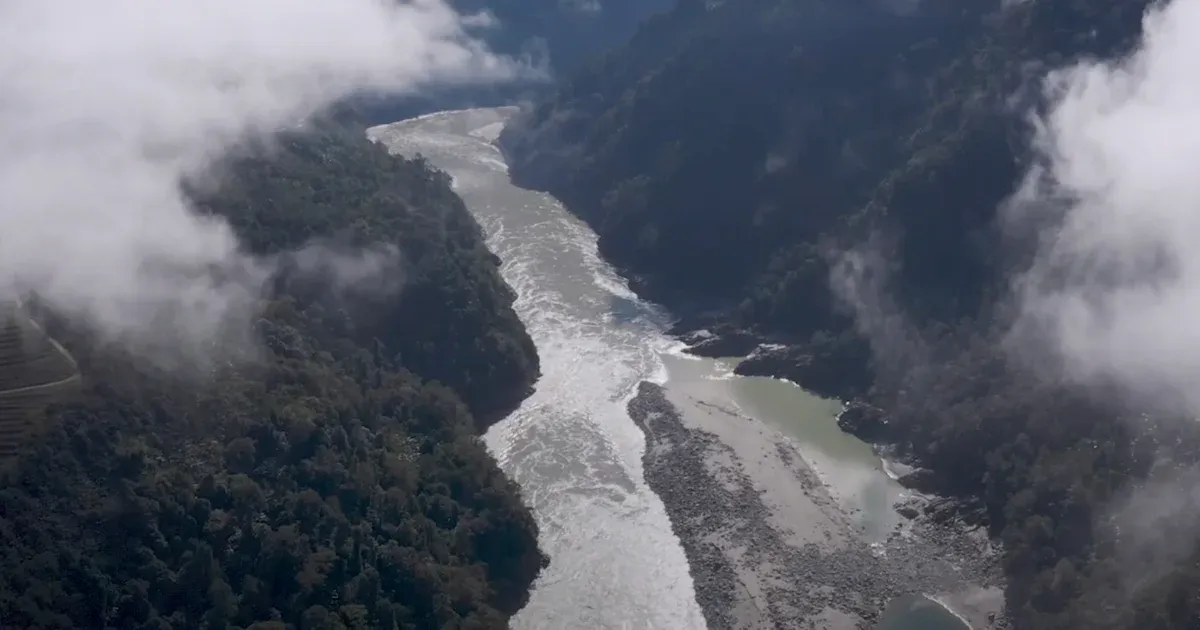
(767, 544)
(831, 367)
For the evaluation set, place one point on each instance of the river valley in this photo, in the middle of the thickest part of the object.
(606, 495)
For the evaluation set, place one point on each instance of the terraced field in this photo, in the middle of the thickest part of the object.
(35, 371)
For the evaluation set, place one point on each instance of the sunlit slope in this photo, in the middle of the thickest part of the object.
(34, 372)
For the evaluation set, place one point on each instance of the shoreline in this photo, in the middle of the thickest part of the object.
(769, 546)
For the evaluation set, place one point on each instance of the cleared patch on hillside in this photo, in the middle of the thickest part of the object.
(35, 371)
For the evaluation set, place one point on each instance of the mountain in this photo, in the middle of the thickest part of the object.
(555, 36)
(715, 151)
(826, 176)
(562, 33)
(718, 151)
(337, 482)
(34, 373)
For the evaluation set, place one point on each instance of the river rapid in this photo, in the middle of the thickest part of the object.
(615, 563)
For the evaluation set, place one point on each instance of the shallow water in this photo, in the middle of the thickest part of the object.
(849, 467)
(915, 612)
(615, 562)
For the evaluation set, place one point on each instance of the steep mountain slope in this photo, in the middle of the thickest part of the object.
(34, 373)
(453, 321)
(563, 33)
(554, 36)
(719, 149)
(333, 484)
(716, 151)
(733, 153)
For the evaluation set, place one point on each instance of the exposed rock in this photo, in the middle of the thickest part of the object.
(813, 366)
(722, 341)
(921, 480)
(866, 422)
(911, 507)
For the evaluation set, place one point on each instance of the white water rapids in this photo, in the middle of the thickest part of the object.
(615, 564)
(571, 446)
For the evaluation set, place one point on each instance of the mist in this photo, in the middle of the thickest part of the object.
(1113, 292)
(109, 104)
(1114, 289)
(859, 280)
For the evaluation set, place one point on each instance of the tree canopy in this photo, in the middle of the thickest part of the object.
(338, 482)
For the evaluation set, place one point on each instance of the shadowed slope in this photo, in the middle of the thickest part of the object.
(35, 371)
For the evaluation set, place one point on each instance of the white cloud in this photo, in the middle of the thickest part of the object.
(107, 104)
(1116, 282)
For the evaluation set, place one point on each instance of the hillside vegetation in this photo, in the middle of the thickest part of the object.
(564, 33)
(732, 150)
(552, 37)
(34, 373)
(753, 129)
(339, 482)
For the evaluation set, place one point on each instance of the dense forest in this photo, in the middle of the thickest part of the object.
(562, 33)
(731, 152)
(336, 483)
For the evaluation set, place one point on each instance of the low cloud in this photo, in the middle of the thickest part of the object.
(1107, 219)
(1114, 289)
(1112, 298)
(109, 104)
(859, 279)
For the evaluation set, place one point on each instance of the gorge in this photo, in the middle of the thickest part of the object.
(737, 314)
(599, 480)
(942, 212)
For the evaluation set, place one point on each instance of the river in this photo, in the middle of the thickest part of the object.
(615, 563)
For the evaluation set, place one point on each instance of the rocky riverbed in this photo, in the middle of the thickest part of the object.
(769, 546)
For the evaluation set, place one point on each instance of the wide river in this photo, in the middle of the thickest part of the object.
(615, 563)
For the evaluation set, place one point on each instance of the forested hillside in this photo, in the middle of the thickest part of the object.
(564, 32)
(553, 36)
(731, 152)
(336, 483)
(716, 150)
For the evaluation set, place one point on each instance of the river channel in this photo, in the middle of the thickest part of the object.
(615, 563)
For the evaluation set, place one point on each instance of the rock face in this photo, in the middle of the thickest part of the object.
(866, 422)
(720, 342)
(831, 367)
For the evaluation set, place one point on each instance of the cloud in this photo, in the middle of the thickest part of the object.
(1114, 288)
(1113, 294)
(859, 278)
(108, 104)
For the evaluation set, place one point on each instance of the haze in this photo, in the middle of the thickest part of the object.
(107, 104)
(1116, 281)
